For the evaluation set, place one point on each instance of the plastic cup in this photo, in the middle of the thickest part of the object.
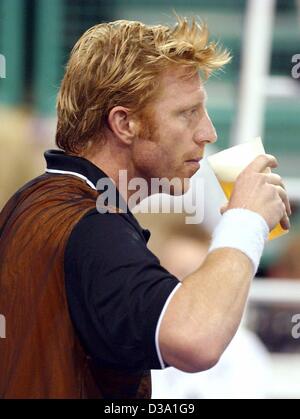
(229, 163)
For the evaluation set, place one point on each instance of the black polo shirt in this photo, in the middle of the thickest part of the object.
(116, 288)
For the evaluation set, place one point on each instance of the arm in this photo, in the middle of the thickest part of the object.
(206, 310)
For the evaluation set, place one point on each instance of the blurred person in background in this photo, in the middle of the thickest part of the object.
(89, 309)
(287, 265)
(20, 157)
(273, 322)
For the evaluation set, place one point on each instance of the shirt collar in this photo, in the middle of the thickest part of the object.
(58, 162)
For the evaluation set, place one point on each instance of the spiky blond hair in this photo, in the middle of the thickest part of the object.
(119, 63)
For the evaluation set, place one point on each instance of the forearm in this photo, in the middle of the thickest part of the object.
(206, 310)
(215, 295)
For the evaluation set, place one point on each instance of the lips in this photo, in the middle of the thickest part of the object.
(195, 160)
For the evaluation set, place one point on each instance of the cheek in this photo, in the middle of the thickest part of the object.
(159, 152)
(149, 157)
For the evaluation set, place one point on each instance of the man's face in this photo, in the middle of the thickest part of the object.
(177, 129)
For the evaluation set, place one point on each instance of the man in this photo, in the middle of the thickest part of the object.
(89, 309)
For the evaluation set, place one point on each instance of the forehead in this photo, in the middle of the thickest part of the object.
(177, 89)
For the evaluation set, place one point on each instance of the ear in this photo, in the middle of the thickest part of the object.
(123, 124)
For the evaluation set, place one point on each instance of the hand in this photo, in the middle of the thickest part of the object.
(261, 191)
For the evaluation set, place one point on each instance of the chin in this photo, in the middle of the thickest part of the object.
(180, 188)
(174, 186)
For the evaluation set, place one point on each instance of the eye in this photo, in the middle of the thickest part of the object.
(191, 112)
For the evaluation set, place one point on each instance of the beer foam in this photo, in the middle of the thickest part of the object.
(229, 163)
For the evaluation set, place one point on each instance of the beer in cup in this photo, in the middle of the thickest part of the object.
(229, 163)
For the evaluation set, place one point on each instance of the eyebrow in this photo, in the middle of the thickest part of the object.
(194, 105)
(198, 103)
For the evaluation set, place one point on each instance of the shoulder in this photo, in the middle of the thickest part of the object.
(108, 225)
(108, 235)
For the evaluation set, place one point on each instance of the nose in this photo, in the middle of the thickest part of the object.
(206, 131)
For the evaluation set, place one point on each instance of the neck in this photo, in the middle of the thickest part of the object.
(118, 166)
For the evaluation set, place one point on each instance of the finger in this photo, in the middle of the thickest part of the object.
(274, 179)
(262, 162)
(285, 222)
(277, 180)
(283, 195)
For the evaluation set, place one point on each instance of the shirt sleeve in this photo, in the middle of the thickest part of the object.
(116, 291)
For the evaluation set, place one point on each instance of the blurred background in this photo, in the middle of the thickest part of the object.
(258, 93)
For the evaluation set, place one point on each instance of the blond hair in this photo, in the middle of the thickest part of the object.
(118, 63)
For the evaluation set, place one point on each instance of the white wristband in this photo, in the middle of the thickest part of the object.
(244, 230)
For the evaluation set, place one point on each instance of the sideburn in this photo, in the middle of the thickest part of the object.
(147, 125)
